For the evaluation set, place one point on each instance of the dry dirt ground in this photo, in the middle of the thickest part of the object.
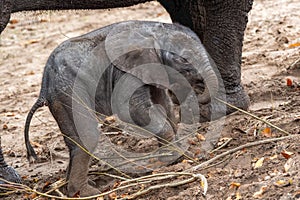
(270, 58)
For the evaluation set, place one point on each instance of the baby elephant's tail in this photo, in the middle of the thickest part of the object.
(30, 151)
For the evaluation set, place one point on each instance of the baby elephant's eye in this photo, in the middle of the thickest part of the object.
(181, 60)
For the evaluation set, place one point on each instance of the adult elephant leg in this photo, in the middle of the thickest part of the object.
(223, 38)
(5, 10)
(7, 172)
(220, 25)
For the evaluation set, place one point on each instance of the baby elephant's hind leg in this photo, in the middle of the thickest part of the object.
(79, 124)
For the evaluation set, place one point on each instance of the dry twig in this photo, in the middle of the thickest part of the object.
(197, 167)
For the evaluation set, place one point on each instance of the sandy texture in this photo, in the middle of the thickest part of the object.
(271, 49)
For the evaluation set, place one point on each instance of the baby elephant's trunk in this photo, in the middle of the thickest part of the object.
(211, 85)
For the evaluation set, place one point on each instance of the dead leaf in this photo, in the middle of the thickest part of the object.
(35, 180)
(46, 185)
(283, 183)
(159, 14)
(4, 127)
(110, 119)
(186, 161)
(31, 42)
(259, 193)
(116, 184)
(273, 157)
(238, 173)
(289, 82)
(10, 114)
(77, 195)
(31, 72)
(112, 195)
(32, 196)
(24, 177)
(289, 163)
(119, 142)
(259, 163)
(26, 196)
(35, 144)
(124, 196)
(238, 196)
(197, 152)
(200, 137)
(234, 185)
(297, 194)
(297, 44)
(286, 154)
(203, 184)
(192, 142)
(266, 132)
(14, 21)
(43, 20)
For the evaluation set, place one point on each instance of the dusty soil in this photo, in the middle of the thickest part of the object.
(271, 51)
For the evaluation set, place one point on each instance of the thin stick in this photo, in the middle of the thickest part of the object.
(154, 187)
(240, 148)
(247, 113)
(218, 163)
(223, 145)
(110, 175)
(294, 63)
(54, 187)
(166, 175)
(173, 184)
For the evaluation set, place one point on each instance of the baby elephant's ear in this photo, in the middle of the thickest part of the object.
(145, 64)
(129, 38)
(132, 47)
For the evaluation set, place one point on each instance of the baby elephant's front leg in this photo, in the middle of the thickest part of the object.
(151, 114)
(146, 106)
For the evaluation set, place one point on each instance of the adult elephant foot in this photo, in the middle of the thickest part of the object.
(216, 109)
(7, 172)
(85, 191)
(239, 99)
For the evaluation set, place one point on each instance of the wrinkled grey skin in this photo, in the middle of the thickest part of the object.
(69, 90)
(220, 25)
(6, 171)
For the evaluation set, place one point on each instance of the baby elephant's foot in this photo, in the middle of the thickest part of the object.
(8, 173)
(88, 190)
(85, 190)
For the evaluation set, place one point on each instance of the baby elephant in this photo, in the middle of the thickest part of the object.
(133, 69)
